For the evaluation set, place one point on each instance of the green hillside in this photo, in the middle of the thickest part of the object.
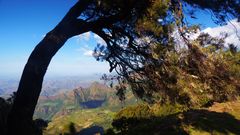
(144, 119)
(80, 119)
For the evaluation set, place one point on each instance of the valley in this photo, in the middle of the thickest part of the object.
(95, 105)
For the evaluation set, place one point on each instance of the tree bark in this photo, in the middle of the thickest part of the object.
(21, 114)
(29, 89)
(30, 84)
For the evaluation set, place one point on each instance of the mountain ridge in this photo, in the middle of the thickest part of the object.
(97, 95)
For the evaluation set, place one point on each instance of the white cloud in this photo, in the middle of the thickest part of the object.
(85, 36)
(99, 40)
(88, 53)
(232, 29)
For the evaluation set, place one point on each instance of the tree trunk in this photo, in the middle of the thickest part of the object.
(20, 117)
(30, 84)
(29, 89)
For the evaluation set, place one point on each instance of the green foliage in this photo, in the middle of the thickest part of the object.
(150, 23)
(195, 77)
(146, 56)
(139, 111)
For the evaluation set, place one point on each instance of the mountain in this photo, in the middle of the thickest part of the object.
(8, 86)
(92, 109)
(97, 95)
(51, 85)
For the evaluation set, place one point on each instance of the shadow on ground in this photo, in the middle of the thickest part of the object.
(189, 122)
(93, 130)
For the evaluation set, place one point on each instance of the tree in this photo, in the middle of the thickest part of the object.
(123, 24)
(84, 16)
(152, 65)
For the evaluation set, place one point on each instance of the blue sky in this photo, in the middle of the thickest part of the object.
(25, 22)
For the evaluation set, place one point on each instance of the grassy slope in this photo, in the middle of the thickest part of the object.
(220, 119)
(81, 119)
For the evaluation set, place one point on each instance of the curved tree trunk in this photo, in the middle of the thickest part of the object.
(30, 84)
(20, 117)
(29, 89)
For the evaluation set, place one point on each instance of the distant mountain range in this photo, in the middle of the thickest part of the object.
(97, 95)
(51, 86)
